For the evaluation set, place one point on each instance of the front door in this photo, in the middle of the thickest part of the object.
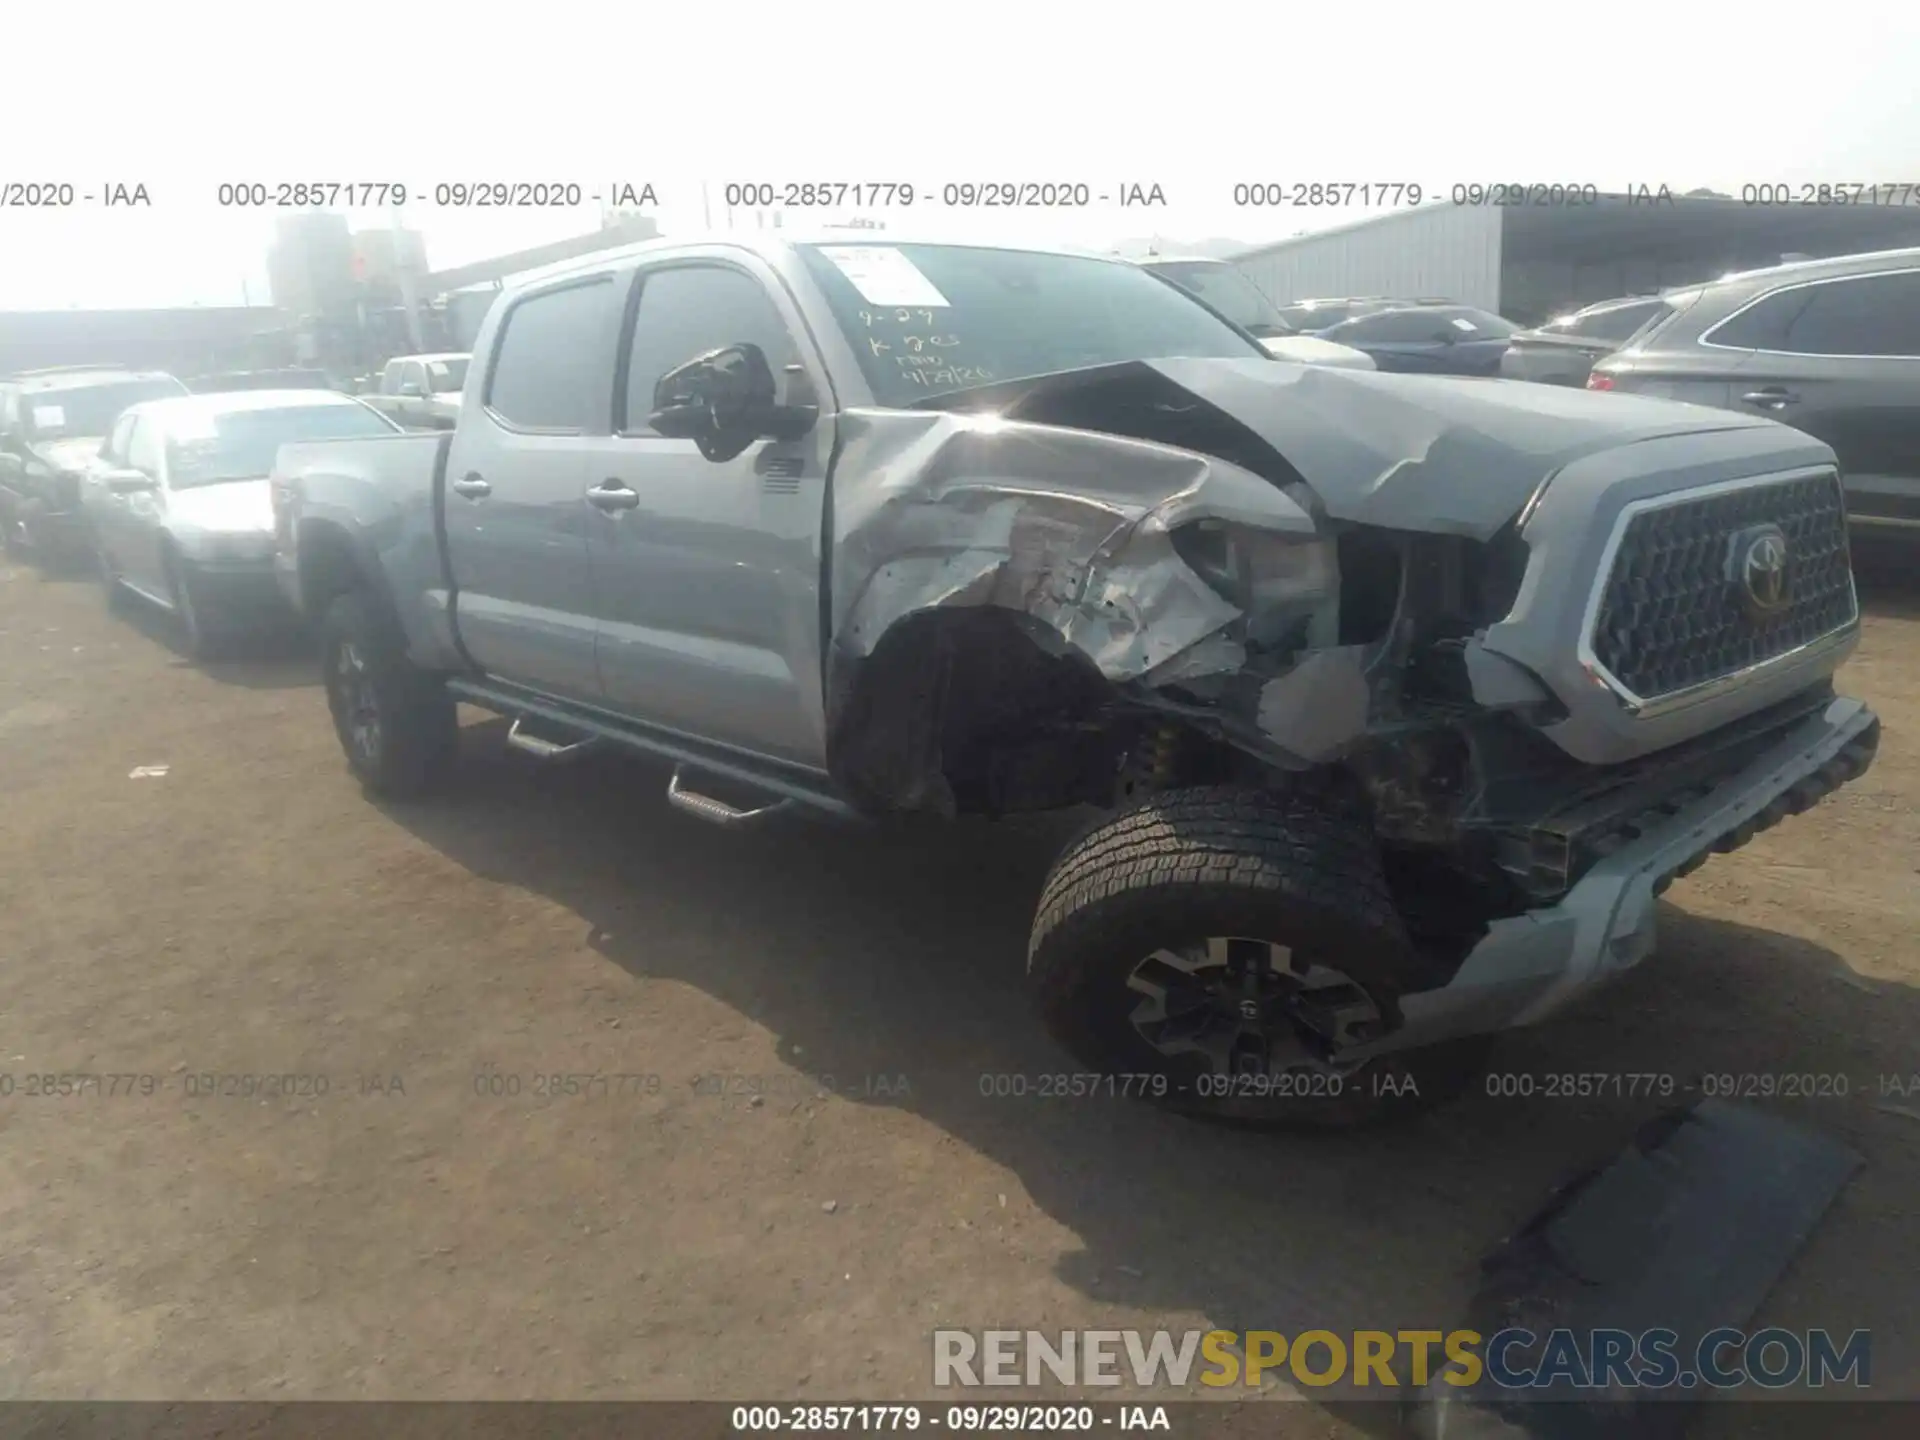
(708, 574)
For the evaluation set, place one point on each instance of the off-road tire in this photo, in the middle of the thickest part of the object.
(1189, 864)
(418, 731)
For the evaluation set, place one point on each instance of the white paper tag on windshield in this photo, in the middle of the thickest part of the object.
(1460, 324)
(884, 276)
(48, 417)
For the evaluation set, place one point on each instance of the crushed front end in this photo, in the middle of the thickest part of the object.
(1557, 648)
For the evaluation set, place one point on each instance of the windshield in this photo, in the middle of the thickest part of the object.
(925, 320)
(445, 375)
(88, 411)
(241, 444)
(1227, 289)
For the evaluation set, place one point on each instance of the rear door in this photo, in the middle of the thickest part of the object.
(517, 517)
(1844, 366)
(708, 574)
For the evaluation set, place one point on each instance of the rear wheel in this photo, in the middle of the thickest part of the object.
(395, 722)
(1228, 949)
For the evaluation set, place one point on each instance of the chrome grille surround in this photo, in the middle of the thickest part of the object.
(1665, 624)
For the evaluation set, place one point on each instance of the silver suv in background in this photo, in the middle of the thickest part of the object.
(1830, 347)
(1563, 351)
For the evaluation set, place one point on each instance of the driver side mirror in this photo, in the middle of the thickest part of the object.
(411, 389)
(129, 482)
(725, 400)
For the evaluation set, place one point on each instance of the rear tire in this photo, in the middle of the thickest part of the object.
(1221, 946)
(395, 722)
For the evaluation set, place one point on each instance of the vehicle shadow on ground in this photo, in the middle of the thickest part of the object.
(899, 952)
(280, 658)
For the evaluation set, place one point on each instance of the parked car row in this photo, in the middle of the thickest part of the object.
(1376, 676)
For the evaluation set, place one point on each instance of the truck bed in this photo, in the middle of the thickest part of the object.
(389, 466)
(379, 498)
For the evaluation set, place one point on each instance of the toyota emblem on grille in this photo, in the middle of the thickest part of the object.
(1759, 568)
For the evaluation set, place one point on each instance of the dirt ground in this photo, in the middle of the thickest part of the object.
(410, 1234)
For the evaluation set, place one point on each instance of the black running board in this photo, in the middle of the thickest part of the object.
(807, 788)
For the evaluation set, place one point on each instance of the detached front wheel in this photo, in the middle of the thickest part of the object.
(395, 722)
(1226, 950)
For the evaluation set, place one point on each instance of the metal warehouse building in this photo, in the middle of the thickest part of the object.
(1532, 262)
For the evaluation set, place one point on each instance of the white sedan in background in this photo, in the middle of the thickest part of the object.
(180, 509)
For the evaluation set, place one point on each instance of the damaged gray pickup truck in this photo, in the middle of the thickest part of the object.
(1401, 697)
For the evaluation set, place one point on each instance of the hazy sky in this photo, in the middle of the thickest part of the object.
(1194, 98)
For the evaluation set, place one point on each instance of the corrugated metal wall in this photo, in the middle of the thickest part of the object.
(1450, 250)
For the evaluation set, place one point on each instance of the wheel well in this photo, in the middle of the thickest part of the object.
(980, 710)
(329, 566)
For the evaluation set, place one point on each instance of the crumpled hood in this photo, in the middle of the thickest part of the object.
(1429, 452)
(73, 454)
(229, 508)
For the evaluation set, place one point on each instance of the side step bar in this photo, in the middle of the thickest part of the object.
(543, 749)
(718, 812)
(794, 789)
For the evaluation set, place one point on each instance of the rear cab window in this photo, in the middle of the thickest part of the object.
(552, 370)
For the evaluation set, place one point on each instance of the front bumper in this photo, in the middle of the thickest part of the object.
(1530, 966)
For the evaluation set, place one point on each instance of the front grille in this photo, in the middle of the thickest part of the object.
(1675, 613)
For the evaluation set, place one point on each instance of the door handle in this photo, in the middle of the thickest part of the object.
(473, 487)
(1772, 398)
(611, 495)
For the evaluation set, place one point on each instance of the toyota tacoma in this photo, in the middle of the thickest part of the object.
(1397, 701)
